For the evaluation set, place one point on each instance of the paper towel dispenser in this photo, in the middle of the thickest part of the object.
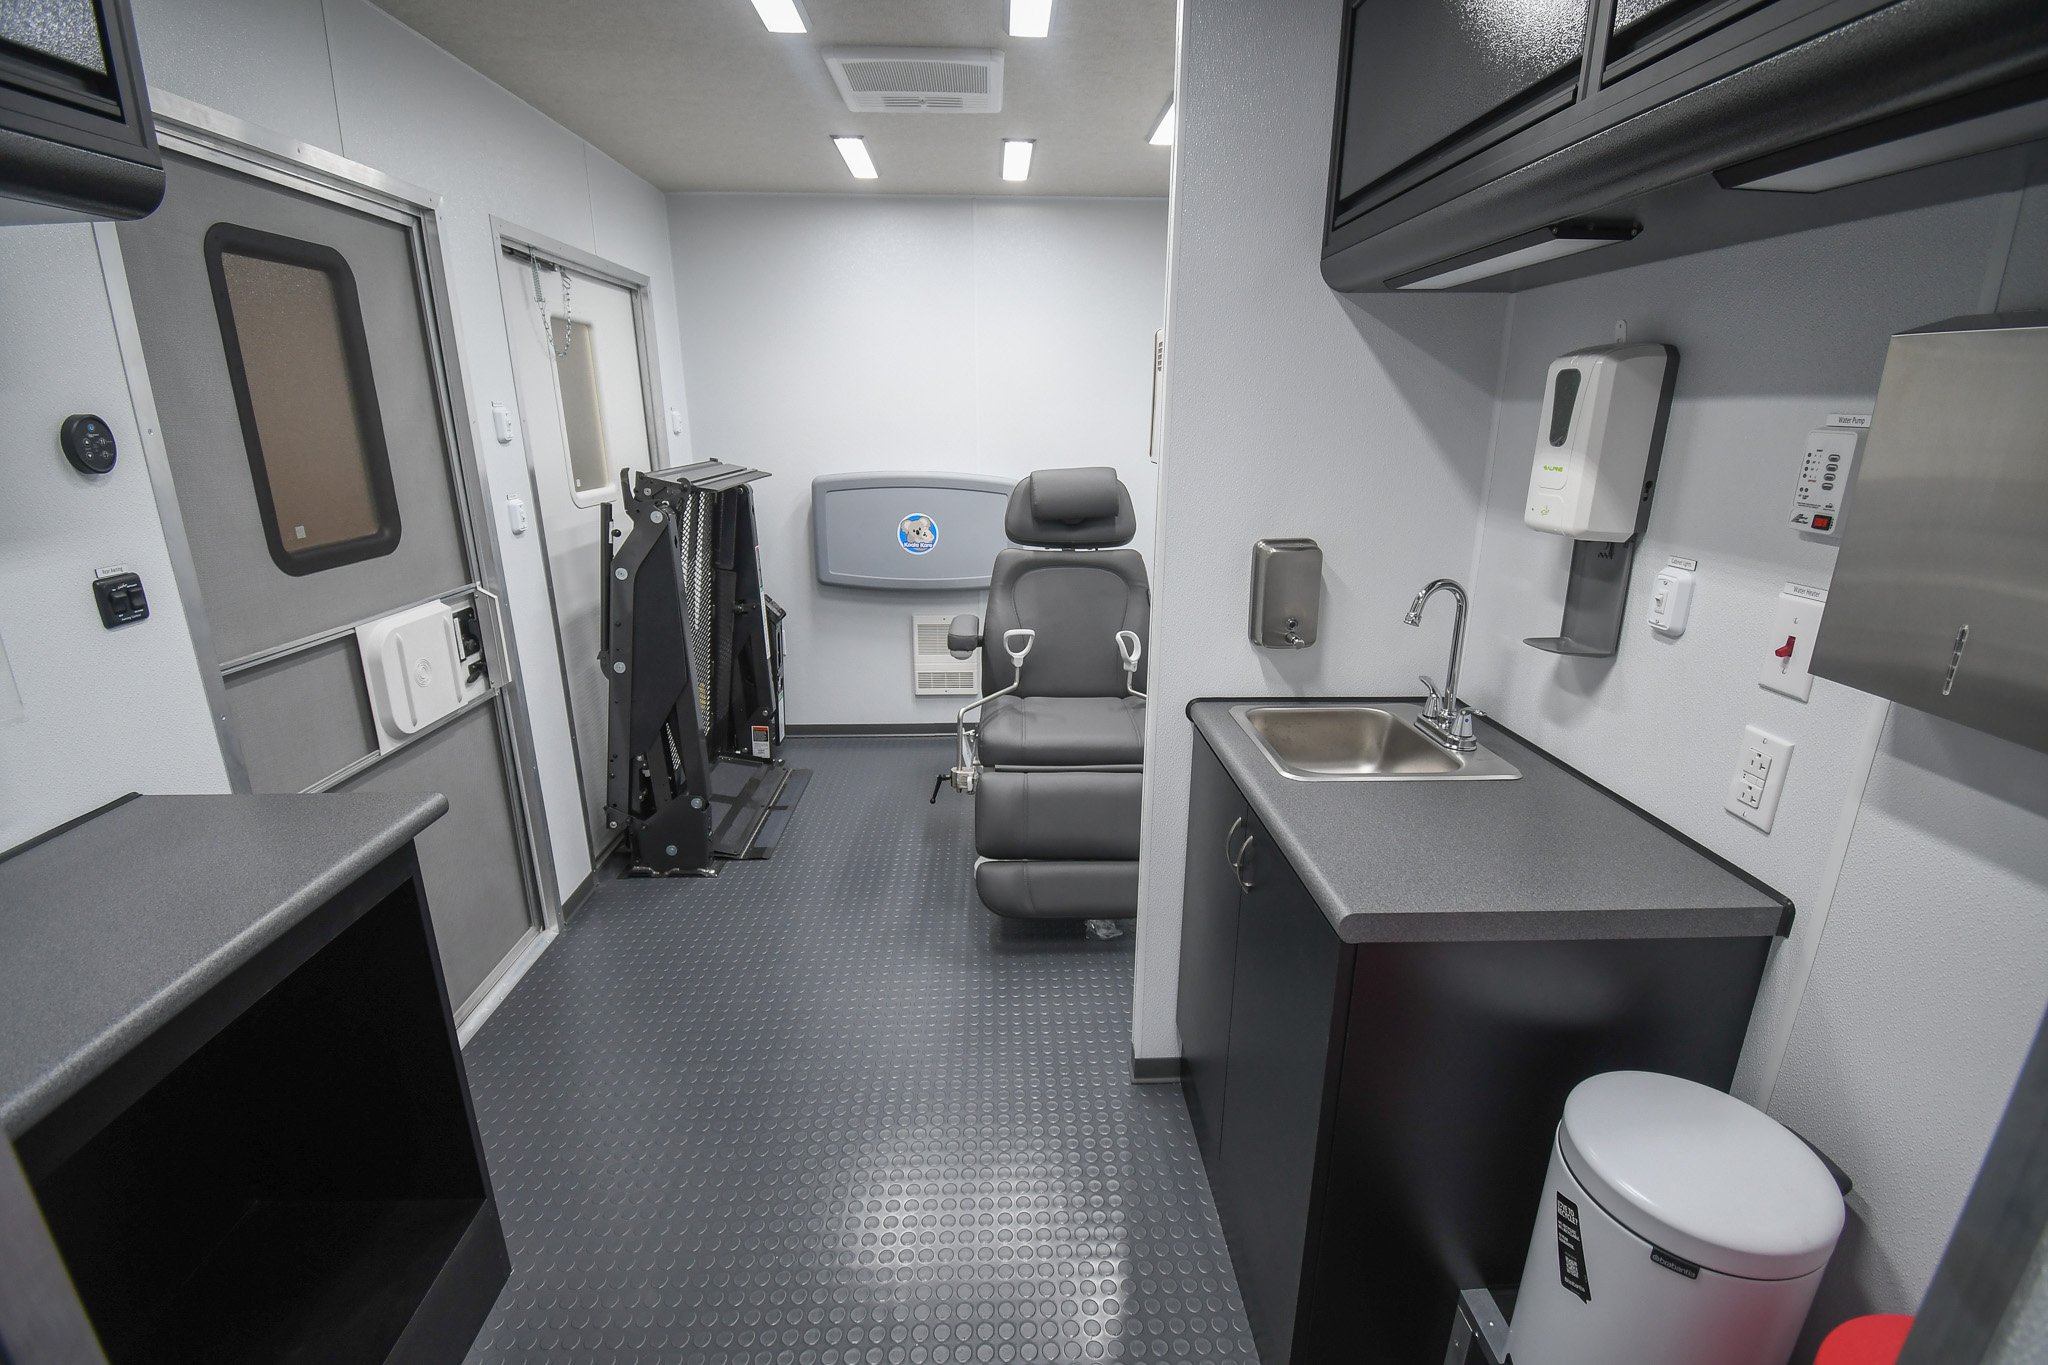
(908, 531)
(1937, 598)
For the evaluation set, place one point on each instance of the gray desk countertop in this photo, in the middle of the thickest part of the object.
(111, 928)
(1549, 856)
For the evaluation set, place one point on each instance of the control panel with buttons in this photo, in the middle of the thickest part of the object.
(120, 598)
(1759, 778)
(1823, 476)
(87, 442)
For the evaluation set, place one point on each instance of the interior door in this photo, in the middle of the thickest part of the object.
(577, 362)
(286, 342)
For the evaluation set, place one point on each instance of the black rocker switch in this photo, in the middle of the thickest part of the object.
(120, 598)
(88, 443)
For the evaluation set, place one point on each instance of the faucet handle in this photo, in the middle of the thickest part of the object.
(1435, 705)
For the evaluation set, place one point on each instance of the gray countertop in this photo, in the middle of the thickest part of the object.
(111, 928)
(1550, 856)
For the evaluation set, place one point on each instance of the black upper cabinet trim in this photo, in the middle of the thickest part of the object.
(2027, 90)
(234, 240)
(1663, 33)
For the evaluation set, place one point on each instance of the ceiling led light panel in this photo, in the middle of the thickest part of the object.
(781, 16)
(854, 151)
(1016, 159)
(1030, 18)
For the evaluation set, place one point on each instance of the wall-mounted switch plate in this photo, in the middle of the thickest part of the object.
(1759, 778)
(1823, 478)
(501, 423)
(1790, 647)
(675, 421)
(515, 514)
(1671, 597)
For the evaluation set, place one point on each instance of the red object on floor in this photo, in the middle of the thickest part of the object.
(1875, 1340)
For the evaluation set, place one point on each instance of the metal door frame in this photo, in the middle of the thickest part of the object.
(510, 237)
(234, 144)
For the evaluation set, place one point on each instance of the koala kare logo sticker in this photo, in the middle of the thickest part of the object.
(917, 533)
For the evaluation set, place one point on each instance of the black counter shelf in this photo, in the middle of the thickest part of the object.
(1387, 990)
(230, 1069)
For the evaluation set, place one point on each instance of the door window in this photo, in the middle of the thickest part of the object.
(292, 327)
(590, 466)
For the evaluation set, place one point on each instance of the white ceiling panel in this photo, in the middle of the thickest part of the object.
(698, 95)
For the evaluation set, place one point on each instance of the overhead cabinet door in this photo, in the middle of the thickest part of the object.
(1430, 83)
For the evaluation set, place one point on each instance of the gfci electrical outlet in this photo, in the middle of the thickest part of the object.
(1789, 648)
(1759, 778)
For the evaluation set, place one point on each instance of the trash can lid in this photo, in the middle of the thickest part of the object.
(1701, 1175)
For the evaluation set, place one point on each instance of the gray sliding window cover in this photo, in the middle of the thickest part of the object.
(908, 531)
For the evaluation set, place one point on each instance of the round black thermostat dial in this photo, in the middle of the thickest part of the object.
(88, 443)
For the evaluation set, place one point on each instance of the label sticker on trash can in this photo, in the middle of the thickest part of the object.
(1571, 1252)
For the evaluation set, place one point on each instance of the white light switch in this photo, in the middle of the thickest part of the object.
(1789, 648)
(515, 514)
(1671, 597)
(1759, 778)
(501, 423)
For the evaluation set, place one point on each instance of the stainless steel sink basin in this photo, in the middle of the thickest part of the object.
(1348, 742)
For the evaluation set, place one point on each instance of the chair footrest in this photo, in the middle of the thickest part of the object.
(1058, 890)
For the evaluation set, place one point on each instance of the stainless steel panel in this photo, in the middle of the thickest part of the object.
(1948, 529)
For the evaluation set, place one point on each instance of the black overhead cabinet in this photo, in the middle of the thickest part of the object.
(1585, 135)
(76, 140)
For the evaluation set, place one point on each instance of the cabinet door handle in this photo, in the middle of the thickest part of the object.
(1229, 835)
(1237, 864)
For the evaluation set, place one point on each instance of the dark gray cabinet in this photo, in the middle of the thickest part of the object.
(1660, 126)
(1424, 77)
(1286, 1025)
(1375, 1118)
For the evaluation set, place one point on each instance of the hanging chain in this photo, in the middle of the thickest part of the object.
(568, 318)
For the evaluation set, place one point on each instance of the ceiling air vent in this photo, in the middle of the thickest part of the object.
(918, 80)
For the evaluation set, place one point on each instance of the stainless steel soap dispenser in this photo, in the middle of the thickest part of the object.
(1287, 593)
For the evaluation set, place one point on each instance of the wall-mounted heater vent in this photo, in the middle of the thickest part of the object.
(918, 80)
(933, 669)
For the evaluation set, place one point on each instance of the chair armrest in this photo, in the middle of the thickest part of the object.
(963, 637)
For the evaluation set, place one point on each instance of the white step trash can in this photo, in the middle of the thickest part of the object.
(1678, 1226)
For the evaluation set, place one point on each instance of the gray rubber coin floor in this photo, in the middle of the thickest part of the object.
(827, 1110)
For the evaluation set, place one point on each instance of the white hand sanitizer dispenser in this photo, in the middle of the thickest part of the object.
(1600, 410)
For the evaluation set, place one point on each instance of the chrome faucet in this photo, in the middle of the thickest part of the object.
(1446, 719)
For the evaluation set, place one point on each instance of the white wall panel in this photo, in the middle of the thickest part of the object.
(1290, 412)
(262, 60)
(105, 712)
(833, 334)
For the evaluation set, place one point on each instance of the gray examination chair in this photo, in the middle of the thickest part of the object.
(1056, 759)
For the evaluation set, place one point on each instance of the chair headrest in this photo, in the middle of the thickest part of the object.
(1071, 507)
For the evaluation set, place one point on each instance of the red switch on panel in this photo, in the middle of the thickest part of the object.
(1784, 651)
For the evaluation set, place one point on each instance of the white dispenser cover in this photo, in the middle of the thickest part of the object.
(1701, 1174)
(415, 670)
(1593, 442)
